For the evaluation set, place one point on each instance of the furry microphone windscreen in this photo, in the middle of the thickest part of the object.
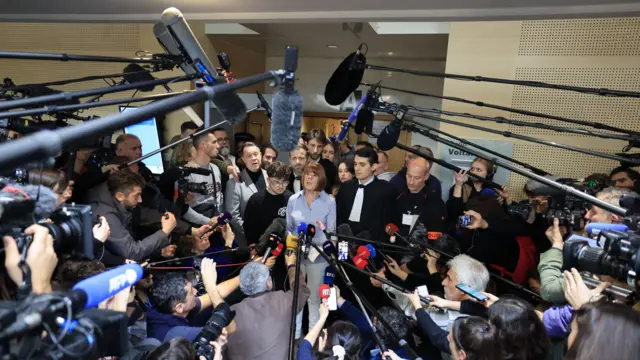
(286, 121)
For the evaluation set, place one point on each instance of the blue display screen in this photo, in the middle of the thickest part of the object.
(147, 132)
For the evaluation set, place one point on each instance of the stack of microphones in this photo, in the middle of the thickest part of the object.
(273, 247)
(327, 294)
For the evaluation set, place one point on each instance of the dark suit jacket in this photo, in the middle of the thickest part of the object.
(376, 207)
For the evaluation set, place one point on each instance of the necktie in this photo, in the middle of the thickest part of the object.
(356, 210)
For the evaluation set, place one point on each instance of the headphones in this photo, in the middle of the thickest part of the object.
(491, 171)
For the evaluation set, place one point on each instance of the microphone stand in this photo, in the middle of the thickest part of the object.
(592, 124)
(531, 139)
(538, 84)
(444, 164)
(363, 303)
(162, 61)
(180, 141)
(49, 143)
(537, 125)
(66, 96)
(567, 189)
(302, 237)
(87, 105)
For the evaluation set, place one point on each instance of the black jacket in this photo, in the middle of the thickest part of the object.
(122, 242)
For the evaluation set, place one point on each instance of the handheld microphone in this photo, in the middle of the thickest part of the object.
(184, 41)
(359, 262)
(274, 240)
(292, 244)
(311, 231)
(392, 231)
(596, 228)
(330, 249)
(277, 226)
(352, 117)
(264, 104)
(364, 253)
(286, 121)
(389, 136)
(329, 276)
(345, 229)
(278, 250)
(324, 291)
(374, 253)
(302, 229)
(105, 285)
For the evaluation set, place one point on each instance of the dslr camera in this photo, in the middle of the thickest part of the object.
(221, 318)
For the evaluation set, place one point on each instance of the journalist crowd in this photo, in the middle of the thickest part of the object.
(476, 276)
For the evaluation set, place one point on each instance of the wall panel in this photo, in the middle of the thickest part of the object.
(602, 53)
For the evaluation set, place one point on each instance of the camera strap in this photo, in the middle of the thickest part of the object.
(215, 191)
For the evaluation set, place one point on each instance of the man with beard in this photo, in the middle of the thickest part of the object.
(298, 159)
(252, 180)
(209, 204)
(225, 148)
(122, 193)
(269, 154)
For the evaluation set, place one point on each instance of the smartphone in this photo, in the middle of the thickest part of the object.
(423, 291)
(333, 300)
(464, 221)
(472, 292)
(343, 251)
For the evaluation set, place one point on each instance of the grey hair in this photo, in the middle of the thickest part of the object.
(612, 195)
(253, 278)
(470, 271)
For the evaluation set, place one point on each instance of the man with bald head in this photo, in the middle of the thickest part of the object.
(399, 182)
(418, 204)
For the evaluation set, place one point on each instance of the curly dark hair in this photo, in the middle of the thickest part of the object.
(168, 291)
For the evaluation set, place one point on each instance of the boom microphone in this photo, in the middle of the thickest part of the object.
(105, 285)
(184, 43)
(286, 121)
(190, 170)
(346, 79)
(390, 135)
(278, 226)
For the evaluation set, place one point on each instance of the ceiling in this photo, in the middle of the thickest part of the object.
(314, 10)
(313, 39)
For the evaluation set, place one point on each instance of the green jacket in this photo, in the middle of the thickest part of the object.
(551, 279)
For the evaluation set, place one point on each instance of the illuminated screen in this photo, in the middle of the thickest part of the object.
(147, 132)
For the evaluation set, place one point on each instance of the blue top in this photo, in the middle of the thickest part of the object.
(305, 350)
(323, 208)
(159, 324)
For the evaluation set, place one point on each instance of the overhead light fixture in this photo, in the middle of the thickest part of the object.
(332, 46)
(390, 53)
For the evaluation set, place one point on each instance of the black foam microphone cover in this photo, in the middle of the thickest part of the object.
(345, 80)
(389, 136)
(134, 73)
(364, 121)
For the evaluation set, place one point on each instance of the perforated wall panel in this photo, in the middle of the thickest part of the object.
(76, 38)
(583, 37)
(619, 112)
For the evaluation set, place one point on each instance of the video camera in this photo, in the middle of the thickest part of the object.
(221, 318)
(568, 209)
(184, 186)
(71, 332)
(71, 226)
(616, 254)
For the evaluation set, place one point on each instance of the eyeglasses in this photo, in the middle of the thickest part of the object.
(282, 183)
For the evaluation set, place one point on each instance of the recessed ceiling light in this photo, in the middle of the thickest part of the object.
(390, 53)
(332, 46)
